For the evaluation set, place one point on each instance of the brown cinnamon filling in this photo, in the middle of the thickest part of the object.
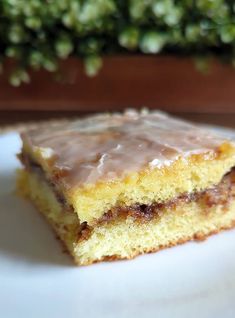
(220, 194)
(31, 165)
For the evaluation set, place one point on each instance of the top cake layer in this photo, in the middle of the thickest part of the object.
(109, 146)
(120, 160)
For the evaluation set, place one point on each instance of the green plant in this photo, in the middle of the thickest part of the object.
(39, 33)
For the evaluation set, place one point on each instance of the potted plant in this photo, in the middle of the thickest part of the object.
(107, 53)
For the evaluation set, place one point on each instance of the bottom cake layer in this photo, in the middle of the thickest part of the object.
(127, 237)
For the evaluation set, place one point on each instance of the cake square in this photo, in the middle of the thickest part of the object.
(114, 186)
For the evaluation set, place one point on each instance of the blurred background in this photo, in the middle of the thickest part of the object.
(67, 58)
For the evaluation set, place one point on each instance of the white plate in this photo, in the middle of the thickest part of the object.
(38, 281)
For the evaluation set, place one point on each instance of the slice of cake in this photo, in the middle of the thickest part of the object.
(114, 186)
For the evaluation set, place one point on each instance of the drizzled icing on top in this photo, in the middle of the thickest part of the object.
(103, 147)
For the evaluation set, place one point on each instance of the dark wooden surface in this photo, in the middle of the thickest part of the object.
(14, 117)
(168, 83)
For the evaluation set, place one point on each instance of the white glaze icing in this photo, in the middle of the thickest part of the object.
(108, 146)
